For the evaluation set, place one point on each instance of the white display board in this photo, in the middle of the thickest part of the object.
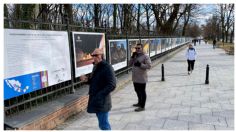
(35, 54)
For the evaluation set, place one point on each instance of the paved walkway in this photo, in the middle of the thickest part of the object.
(182, 102)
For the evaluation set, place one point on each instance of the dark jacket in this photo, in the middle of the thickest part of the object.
(102, 83)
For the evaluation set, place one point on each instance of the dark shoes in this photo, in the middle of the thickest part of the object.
(139, 109)
(136, 105)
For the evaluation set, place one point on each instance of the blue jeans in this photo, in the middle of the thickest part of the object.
(103, 121)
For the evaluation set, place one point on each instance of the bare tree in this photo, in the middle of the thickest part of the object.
(96, 14)
(165, 17)
(6, 15)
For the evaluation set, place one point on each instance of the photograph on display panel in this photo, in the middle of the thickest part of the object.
(34, 59)
(118, 53)
(163, 44)
(158, 42)
(178, 41)
(153, 47)
(132, 44)
(173, 42)
(145, 43)
(168, 43)
(84, 45)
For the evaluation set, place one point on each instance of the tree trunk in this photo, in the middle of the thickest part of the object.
(17, 15)
(69, 12)
(186, 18)
(232, 35)
(96, 15)
(167, 28)
(138, 20)
(6, 22)
(147, 17)
(114, 17)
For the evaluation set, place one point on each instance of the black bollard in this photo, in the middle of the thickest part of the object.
(162, 73)
(207, 75)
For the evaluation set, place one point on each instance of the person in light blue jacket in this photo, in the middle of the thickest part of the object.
(191, 56)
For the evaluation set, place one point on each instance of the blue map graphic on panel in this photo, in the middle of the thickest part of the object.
(20, 85)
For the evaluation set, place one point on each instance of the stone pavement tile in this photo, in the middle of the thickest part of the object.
(78, 127)
(224, 128)
(115, 115)
(136, 126)
(227, 106)
(231, 101)
(161, 105)
(213, 120)
(189, 117)
(193, 94)
(149, 114)
(132, 117)
(91, 122)
(199, 126)
(172, 101)
(220, 100)
(180, 108)
(230, 122)
(175, 125)
(229, 95)
(191, 103)
(163, 113)
(201, 99)
(223, 113)
(153, 124)
(117, 125)
(121, 110)
(183, 97)
(210, 105)
(199, 110)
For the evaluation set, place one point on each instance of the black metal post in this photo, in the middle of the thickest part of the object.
(71, 55)
(162, 73)
(207, 75)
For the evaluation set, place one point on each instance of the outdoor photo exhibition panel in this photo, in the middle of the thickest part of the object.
(155, 46)
(163, 44)
(173, 41)
(118, 53)
(178, 41)
(34, 59)
(132, 44)
(146, 44)
(168, 45)
(84, 44)
(158, 41)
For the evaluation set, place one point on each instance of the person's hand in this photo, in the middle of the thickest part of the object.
(138, 64)
(134, 55)
(84, 78)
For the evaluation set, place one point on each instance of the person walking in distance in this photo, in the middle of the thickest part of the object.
(140, 63)
(101, 83)
(214, 43)
(191, 55)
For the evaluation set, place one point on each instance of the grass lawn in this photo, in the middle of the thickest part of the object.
(225, 46)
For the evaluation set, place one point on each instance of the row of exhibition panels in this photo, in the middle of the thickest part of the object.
(36, 59)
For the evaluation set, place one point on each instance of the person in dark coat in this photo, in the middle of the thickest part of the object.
(214, 43)
(102, 82)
